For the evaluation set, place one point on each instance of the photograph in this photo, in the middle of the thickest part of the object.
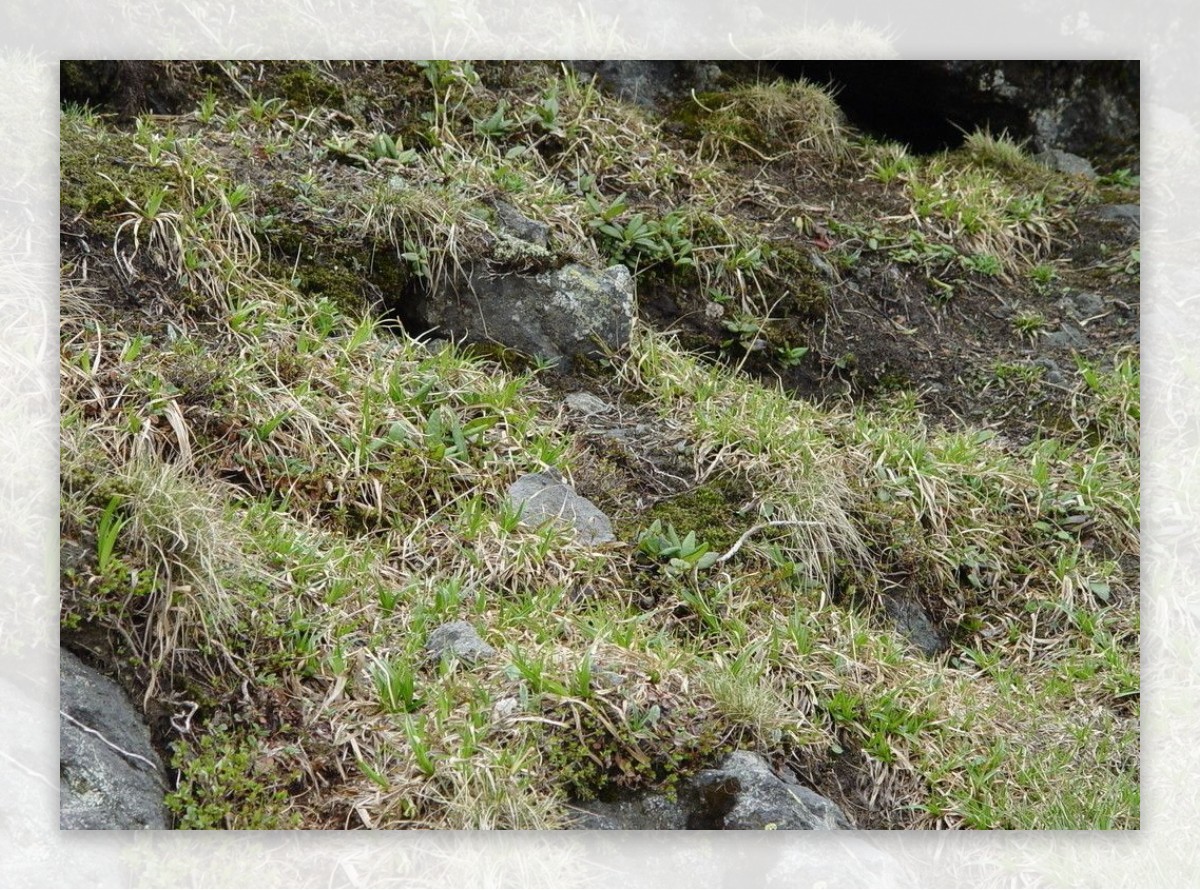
(599, 445)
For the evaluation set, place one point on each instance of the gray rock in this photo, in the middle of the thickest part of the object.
(520, 226)
(1065, 162)
(914, 625)
(1082, 305)
(586, 403)
(745, 794)
(648, 812)
(558, 315)
(72, 556)
(545, 497)
(1066, 337)
(460, 640)
(649, 83)
(111, 777)
(742, 794)
(1130, 214)
(1054, 373)
(504, 709)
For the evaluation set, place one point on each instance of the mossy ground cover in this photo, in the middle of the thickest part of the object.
(282, 493)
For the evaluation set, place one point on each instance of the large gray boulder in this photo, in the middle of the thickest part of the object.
(743, 793)
(546, 497)
(555, 315)
(111, 777)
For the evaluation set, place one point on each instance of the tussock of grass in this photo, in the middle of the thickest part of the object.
(781, 116)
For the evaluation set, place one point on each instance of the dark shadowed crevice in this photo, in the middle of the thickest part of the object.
(903, 102)
(1086, 107)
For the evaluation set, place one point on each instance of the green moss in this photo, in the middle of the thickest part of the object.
(99, 169)
(709, 510)
(707, 115)
(511, 360)
(354, 275)
(305, 89)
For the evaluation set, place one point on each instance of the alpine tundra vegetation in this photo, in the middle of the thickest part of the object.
(867, 440)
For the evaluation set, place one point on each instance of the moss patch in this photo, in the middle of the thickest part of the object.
(710, 510)
(355, 275)
(305, 88)
(100, 169)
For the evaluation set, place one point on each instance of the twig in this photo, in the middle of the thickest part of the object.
(773, 523)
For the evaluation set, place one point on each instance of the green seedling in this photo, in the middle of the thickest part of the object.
(396, 684)
(679, 554)
(791, 356)
(107, 533)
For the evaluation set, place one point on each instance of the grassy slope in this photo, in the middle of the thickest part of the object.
(281, 495)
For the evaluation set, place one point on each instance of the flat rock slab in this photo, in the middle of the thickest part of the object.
(1130, 214)
(587, 404)
(546, 497)
(110, 775)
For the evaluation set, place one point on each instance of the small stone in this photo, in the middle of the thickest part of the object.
(1082, 305)
(520, 226)
(1066, 337)
(608, 679)
(545, 497)
(504, 708)
(914, 625)
(559, 315)
(72, 556)
(1053, 373)
(1065, 162)
(459, 640)
(586, 403)
(1130, 214)
(742, 793)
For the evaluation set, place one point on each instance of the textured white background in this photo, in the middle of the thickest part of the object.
(35, 36)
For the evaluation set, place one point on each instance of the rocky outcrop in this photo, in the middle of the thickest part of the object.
(111, 777)
(546, 497)
(556, 316)
(1065, 162)
(742, 794)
